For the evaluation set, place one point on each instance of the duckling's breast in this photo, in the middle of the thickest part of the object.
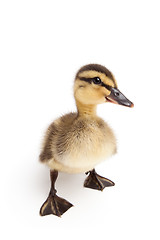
(83, 143)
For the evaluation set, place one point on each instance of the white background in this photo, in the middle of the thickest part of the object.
(42, 45)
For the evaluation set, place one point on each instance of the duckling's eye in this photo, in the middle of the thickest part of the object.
(96, 80)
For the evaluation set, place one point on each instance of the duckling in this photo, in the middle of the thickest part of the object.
(77, 142)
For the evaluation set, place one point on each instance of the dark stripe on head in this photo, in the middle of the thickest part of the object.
(90, 80)
(107, 86)
(97, 68)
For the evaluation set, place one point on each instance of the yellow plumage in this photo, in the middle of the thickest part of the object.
(77, 142)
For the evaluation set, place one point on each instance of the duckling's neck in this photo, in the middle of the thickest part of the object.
(86, 109)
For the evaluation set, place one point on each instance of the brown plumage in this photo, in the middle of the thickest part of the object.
(77, 142)
(97, 68)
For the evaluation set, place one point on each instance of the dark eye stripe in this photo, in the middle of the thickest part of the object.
(90, 80)
(106, 86)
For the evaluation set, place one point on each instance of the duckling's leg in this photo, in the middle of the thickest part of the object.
(96, 181)
(54, 204)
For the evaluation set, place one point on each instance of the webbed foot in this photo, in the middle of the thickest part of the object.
(55, 205)
(96, 181)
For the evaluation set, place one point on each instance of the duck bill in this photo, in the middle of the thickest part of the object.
(117, 97)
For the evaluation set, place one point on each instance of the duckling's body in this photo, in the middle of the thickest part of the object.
(77, 142)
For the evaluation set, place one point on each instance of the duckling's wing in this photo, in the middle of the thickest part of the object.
(47, 153)
(56, 131)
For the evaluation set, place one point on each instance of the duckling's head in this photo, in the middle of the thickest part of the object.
(95, 84)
